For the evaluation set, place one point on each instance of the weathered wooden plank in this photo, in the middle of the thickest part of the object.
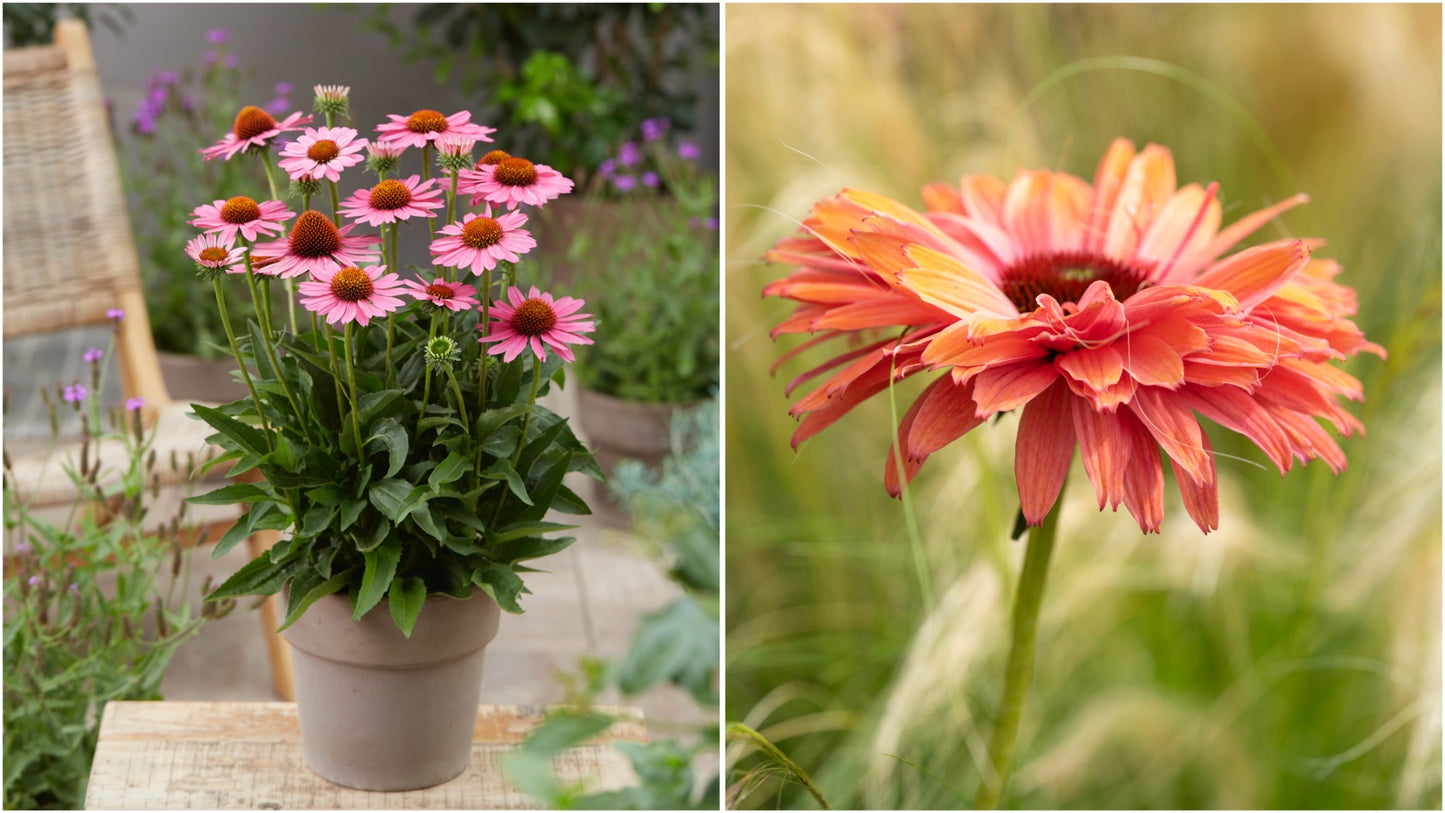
(171, 755)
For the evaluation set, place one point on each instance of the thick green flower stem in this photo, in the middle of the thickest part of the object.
(452, 198)
(236, 351)
(271, 354)
(461, 399)
(531, 402)
(270, 177)
(351, 379)
(426, 376)
(486, 324)
(1020, 670)
(335, 202)
(335, 371)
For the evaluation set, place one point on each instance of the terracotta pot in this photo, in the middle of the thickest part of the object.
(619, 430)
(191, 378)
(379, 711)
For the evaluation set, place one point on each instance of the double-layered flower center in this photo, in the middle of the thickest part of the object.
(1066, 275)
(389, 195)
(515, 172)
(251, 122)
(351, 285)
(534, 318)
(493, 158)
(426, 121)
(240, 210)
(323, 151)
(314, 235)
(481, 232)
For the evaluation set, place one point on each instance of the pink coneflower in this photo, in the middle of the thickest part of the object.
(1103, 312)
(210, 251)
(479, 242)
(314, 245)
(254, 127)
(241, 215)
(450, 295)
(351, 294)
(322, 153)
(537, 321)
(425, 126)
(512, 181)
(393, 200)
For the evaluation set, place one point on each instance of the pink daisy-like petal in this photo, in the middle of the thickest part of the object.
(241, 215)
(394, 200)
(450, 295)
(211, 250)
(479, 242)
(254, 127)
(322, 153)
(512, 181)
(425, 126)
(532, 321)
(315, 244)
(351, 294)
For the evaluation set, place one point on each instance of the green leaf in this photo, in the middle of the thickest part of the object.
(376, 576)
(502, 584)
(566, 501)
(263, 516)
(448, 471)
(431, 521)
(394, 441)
(520, 529)
(677, 643)
(388, 496)
(538, 445)
(405, 599)
(231, 495)
(329, 494)
(259, 577)
(247, 438)
(531, 547)
(502, 470)
(349, 512)
(547, 488)
(317, 519)
(298, 601)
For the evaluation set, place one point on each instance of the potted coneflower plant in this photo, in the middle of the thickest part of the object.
(394, 417)
(654, 288)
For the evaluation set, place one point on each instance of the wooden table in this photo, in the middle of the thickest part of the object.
(172, 755)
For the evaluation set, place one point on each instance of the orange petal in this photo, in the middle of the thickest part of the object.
(1245, 226)
(1201, 500)
(940, 415)
(1151, 361)
(1003, 388)
(1107, 181)
(1148, 182)
(1097, 367)
(946, 283)
(1173, 426)
(1254, 274)
(1043, 450)
(1104, 449)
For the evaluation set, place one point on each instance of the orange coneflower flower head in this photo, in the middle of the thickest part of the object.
(1108, 313)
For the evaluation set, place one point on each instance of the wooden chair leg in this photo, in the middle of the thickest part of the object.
(278, 652)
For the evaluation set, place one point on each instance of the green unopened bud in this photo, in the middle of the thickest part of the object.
(333, 99)
(441, 353)
(303, 186)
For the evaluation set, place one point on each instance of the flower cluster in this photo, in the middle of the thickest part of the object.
(648, 163)
(1108, 313)
(412, 401)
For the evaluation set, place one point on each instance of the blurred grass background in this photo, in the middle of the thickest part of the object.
(1290, 659)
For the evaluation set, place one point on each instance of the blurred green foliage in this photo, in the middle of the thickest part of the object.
(1290, 659)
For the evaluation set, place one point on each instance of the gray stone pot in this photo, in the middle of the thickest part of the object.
(382, 712)
(618, 430)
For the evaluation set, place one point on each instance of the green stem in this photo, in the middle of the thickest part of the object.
(1020, 670)
(271, 354)
(351, 379)
(270, 176)
(291, 304)
(240, 362)
(335, 374)
(531, 402)
(738, 731)
(486, 325)
(461, 399)
(426, 377)
(335, 202)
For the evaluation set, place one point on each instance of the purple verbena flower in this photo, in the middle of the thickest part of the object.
(654, 129)
(629, 154)
(283, 88)
(650, 179)
(230, 62)
(212, 57)
(92, 355)
(624, 183)
(115, 313)
(217, 36)
(688, 151)
(166, 78)
(606, 168)
(75, 393)
(710, 224)
(278, 106)
(33, 581)
(133, 404)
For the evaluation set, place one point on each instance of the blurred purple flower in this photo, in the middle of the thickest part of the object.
(688, 151)
(22, 547)
(624, 183)
(133, 404)
(217, 36)
(211, 57)
(653, 129)
(606, 168)
(650, 179)
(92, 355)
(33, 581)
(74, 589)
(188, 102)
(278, 106)
(283, 88)
(115, 313)
(230, 61)
(710, 224)
(166, 78)
(629, 155)
(75, 393)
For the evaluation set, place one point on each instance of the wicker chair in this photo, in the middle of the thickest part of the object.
(66, 230)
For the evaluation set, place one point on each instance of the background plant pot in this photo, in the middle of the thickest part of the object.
(380, 711)
(192, 378)
(619, 430)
